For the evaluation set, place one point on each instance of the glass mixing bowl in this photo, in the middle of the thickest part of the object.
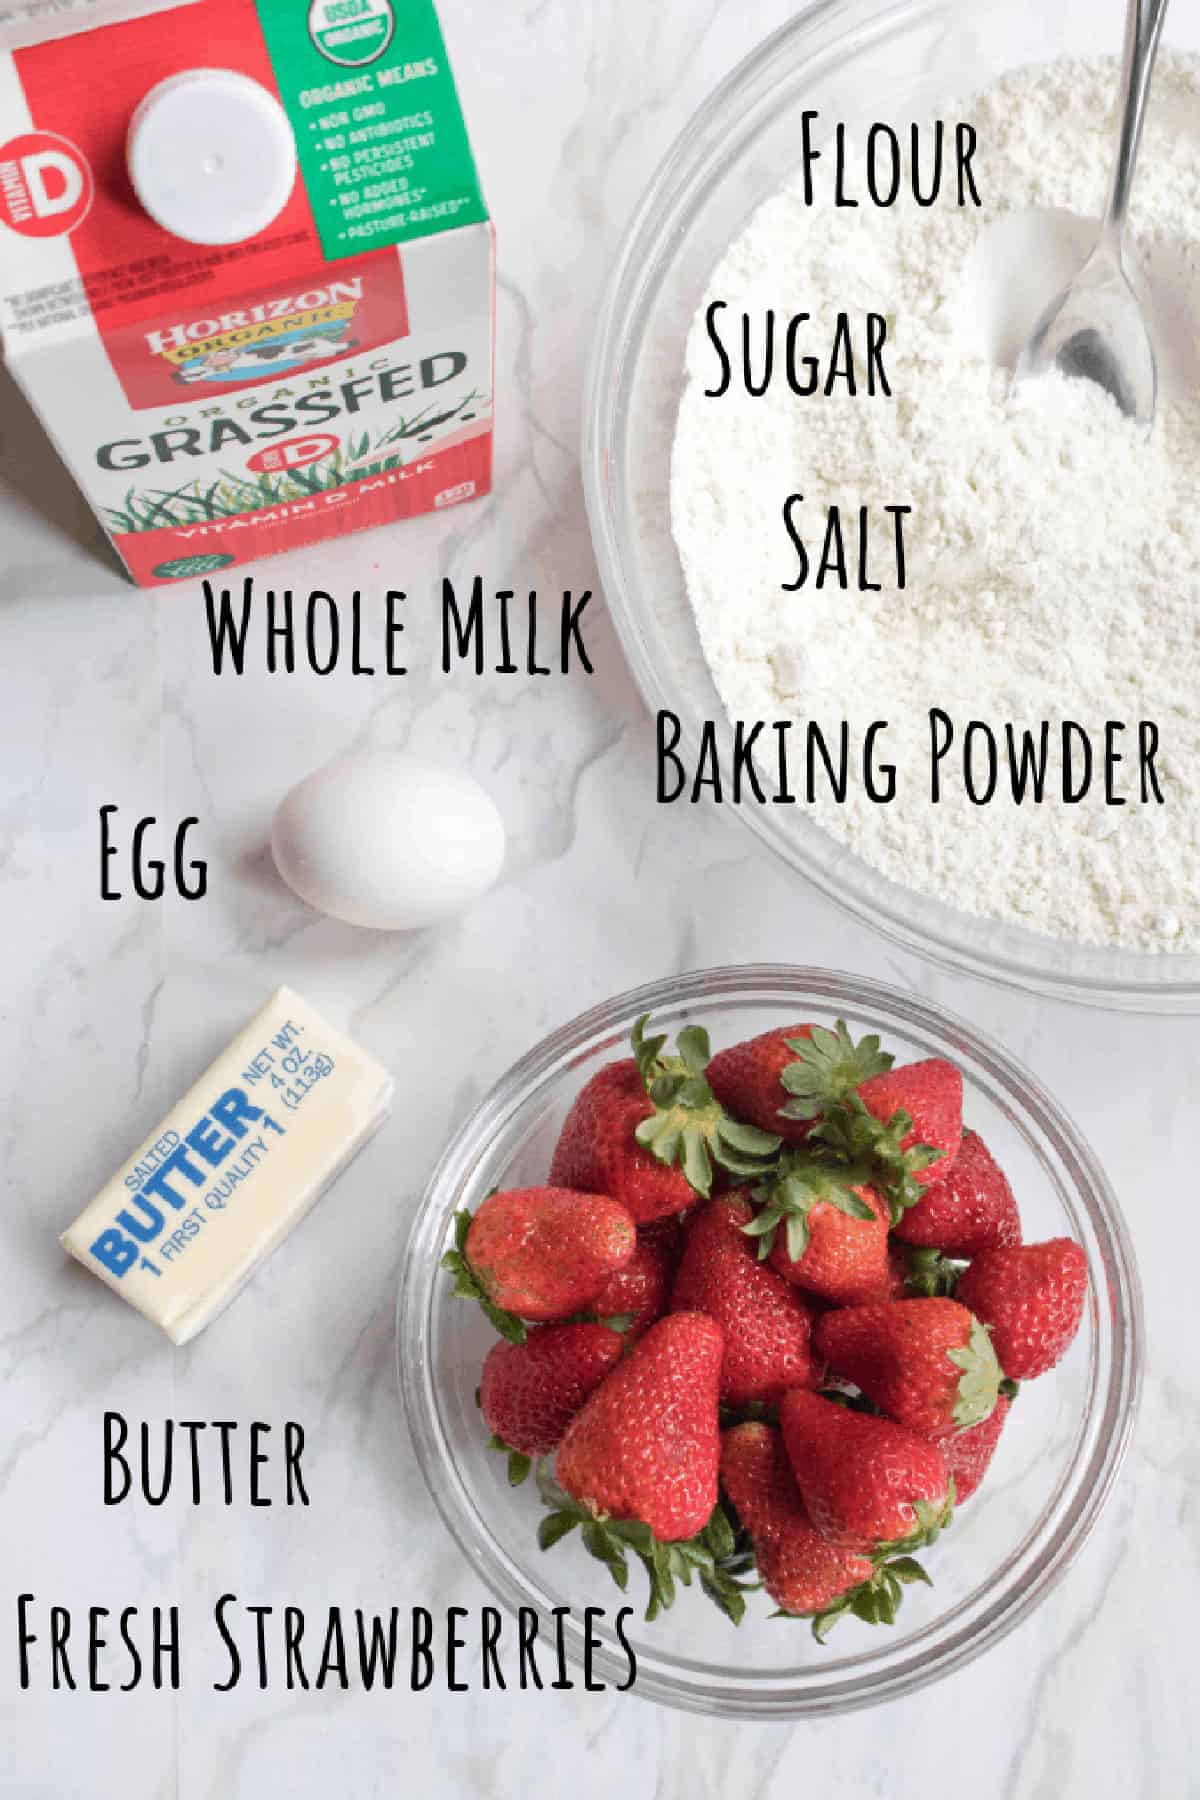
(852, 59)
(1055, 1464)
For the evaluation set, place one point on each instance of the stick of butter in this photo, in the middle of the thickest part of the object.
(186, 1221)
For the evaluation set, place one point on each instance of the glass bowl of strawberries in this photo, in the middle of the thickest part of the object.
(772, 1339)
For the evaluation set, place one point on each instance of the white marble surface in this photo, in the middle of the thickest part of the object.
(108, 1010)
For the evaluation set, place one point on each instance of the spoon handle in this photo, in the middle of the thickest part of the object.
(1143, 32)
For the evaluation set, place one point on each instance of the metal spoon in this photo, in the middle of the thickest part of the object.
(1095, 329)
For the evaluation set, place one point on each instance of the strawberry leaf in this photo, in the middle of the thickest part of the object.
(875, 1601)
(931, 1275)
(719, 1536)
(694, 1048)
(519, 1464)
(618, 1322)
(824, 1621)
(931, 1519)
(907, 1569)
(468, 1285)
(744, 1150)
(611, 1541)
(696, 1162)
(979, 1383)
(633, 1532)
(829, 1066)
(729, 1556)
(689, 1128)
(598, 1543)
(747, 1138)
(646, 1050)
(727, 1595)
(797, 1234)
(554, 1527)
(852, 1133)
(802, 1181)
(507, 1324)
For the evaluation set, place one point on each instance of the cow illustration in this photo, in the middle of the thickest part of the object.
(247, 362)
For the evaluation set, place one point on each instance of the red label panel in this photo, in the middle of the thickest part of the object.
(138, 279)
(87, 89)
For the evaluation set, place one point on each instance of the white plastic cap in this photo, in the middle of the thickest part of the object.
(211, 156)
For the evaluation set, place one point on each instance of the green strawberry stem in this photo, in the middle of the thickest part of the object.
(717, 1556)
(519, 1464)
(875, 1601)
(468, 1286)
(932, 1518)
(932, 1276)
(852, 1134)
(979, 1383)
(618, 1322)
(802, 1180)
(829, 1066)
(689, 1127)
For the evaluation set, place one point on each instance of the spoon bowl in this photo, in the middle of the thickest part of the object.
(1095, 329)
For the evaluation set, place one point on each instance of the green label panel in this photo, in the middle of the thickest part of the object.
(383, 149)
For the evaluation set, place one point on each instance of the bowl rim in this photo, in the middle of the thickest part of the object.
(992, 950)
(1102, 1436)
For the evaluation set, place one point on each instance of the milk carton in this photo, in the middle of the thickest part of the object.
(246, 270)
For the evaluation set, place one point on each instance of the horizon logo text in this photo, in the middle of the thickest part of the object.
(338, 298)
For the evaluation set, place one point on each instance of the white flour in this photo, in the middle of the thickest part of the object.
(1053, 555)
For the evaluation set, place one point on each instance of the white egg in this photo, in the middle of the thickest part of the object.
(387, 840)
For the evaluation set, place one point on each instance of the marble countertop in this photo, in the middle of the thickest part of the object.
(108, 1010)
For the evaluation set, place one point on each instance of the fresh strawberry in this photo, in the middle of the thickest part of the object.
(968, 1453)
(646, 1445)
(804, 1575)
(530, 1392)
(745, 1079)
(823, 1229)
(928, 1364)
(867, 1483)
(768, 1327)
(822, 1065)
(1031, 1298)
(969, 1209)
(598, 1147)
(637, 1295)
(800, 1571)
(598, 1151)
(649, 1131)
(930, 1095)
(538, 1253)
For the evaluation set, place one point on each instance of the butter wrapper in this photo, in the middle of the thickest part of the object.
(233, 1167)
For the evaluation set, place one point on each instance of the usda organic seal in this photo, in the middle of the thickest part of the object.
(351, 32)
